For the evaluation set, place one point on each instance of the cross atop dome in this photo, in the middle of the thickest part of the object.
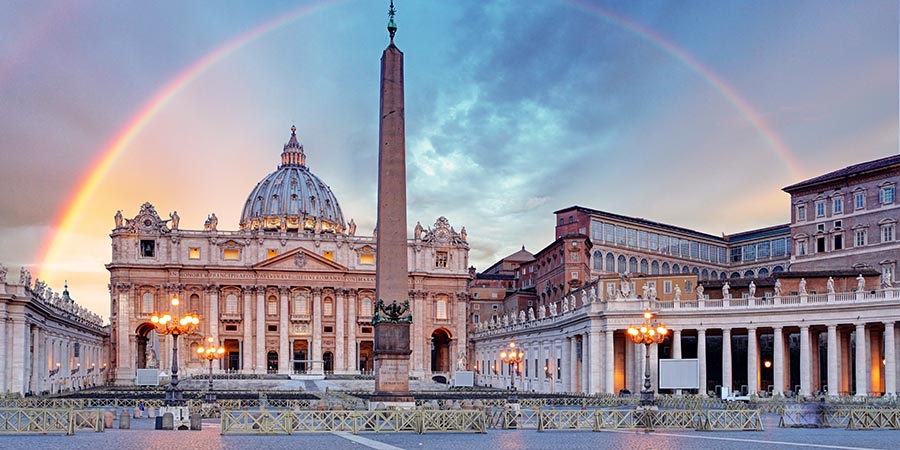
(293, 152)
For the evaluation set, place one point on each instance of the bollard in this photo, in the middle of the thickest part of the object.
(137, 413)
(196, 421)
(109, 419)
(151, 412)
(168, 421)
(124, 420)
(159, 422)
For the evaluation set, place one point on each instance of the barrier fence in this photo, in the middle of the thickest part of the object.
(49, 421)
(290, 422)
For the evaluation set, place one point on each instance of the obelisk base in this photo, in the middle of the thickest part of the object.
(392, 363)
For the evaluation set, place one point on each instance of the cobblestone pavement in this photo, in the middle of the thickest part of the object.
(143, 437)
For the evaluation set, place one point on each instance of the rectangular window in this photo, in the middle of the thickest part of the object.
(272, 308)
(643, 239)
(749, 252)
(685, 247)
(723, 255)
(632, 237)
(801, 247)
(837, 205)
(475, 318)
(704, 251)
(274, 328)
(820, 244)
(820, 208)
(801, 212)
(654, 241)
(787, 245)
(194, 253)
(664, 243)
(609, 232)
(820, 227)
(441, 310)
(620, 235)
(596, 230)
(328, 255)
(271, 253)
(148, 248)
(230, 327)
(76, 350)
(695, 250)
(574, 275)
(838, 242)
(859, 200)
(887, 233)
(328, 308)
(860, 238)
(778, 248)
(441, 259)
(367, 259)
(667, 287)
(329, 329)
(231, 253)
(763, 250)
(886, 195)
(838, 224)
(688, 285)
(736, 254)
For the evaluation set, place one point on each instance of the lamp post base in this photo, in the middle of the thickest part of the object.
(174, 396)
(648, 398)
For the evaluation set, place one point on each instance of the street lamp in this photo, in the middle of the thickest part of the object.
(211, 353)
(176, 326)
(512, 357)
(647, 334)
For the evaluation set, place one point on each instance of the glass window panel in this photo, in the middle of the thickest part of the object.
(762, 250)
(654, 241)
(704, 251)
(643, 239)
(596, 230)
(749, 252)
(685, 247)
(664, 243)
(735, 254)
(695, 250)
(620, 235)
(609, 232)
(778, 247)
(632, 237)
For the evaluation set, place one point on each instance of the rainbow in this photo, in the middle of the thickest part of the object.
(87, 186)
(117, 145)
(769, 135)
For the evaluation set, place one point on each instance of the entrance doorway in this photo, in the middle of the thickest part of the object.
(232, 354)
(301, 351)
(142, 342)
(366, 362)
(440, 350)
(272, 362)
(328, 360)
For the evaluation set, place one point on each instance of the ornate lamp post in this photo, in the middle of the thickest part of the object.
(176, 326)
(512, 357)
(211, 353)
(647, 334)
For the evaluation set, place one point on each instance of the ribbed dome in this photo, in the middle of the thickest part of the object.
(292, 198)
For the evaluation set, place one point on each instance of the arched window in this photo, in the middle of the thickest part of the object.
(272, 306)
(231, 304)
(633, 265)
(695, 271)
(735, 275)
(722, 276)
(763, 273)
(598, 261)
(748, 274)
(645, 268)
(777, 269)
(685, 269)
(676, 269)
(665, 268)
(654, 268)
(704, 275)
(440, 308)
(714, 275)
(301, 306)
(621, 266)
(610, 263)
(194, 303)
(147, 305)
(365, 307)
(328, 307)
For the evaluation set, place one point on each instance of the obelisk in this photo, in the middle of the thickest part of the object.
(392, 348)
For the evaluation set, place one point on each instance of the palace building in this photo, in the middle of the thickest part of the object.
(799, 308)
(291, 290)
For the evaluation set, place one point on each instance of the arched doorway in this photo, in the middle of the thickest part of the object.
(440, 350)
(366, 363)
(232, 354)
(272, 362)
(142, 341)
(301, 349)
(328, 361)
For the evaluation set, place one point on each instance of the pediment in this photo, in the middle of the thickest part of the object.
(300, 259)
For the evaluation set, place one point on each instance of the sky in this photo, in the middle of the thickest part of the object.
(692, 113)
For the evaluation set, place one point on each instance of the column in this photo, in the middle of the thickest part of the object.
(284, 352)
(752, 362)
(213, 313)
(566, 365)
(418, 340)
(778, 362)
(860, 340)
(260, 329)
(610, 362)
(676, 350)
(890, 360)
(125, 361)
(844, 357)
(352, 359)
(247, 346)
(317, 367)
(573, 366)
(876, 369)
(36, 373)
(726, 359)
(339, 362)
(832, 357)
(805, 358)
(586, 350)
(701, 357)
(19, 347)
(654, 364)
(4, 354)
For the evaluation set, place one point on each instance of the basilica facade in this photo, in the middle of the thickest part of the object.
(290, 291)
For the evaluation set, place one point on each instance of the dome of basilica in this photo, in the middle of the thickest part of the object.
(292, 198)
